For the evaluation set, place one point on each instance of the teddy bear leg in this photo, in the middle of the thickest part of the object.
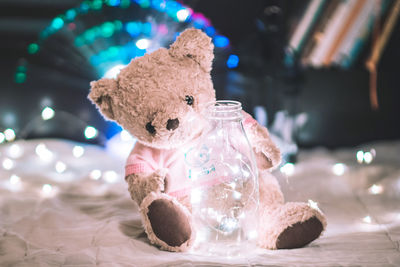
(167, 222)
(291, 225)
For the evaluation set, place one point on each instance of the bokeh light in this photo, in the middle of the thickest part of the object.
(48, 113)
(9, 134)
(233, 61)
(90, 132)
(339, 169)
(143, 43)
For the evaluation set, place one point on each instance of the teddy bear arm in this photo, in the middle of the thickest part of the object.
(142, 184)
(266, 152)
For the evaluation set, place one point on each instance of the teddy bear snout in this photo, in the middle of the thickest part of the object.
(172, 124)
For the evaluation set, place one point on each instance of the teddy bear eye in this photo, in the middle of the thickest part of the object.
(189, 100)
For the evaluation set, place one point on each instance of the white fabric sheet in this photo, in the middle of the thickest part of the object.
(54, 213)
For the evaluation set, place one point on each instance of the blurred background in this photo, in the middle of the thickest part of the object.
(317, 73)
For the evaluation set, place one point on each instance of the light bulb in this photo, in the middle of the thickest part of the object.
(237, 195)
(110, 176)
(195, 196)
(375, 189)
(126, 136)
(46, 190)
(95, 174)
(360, 156)
(253, 234)
(15, 180)
(182, 14)
(60, 167)
(78, 151)
(43, 153)
(9, 135)
(367, 219)
(8, 164)
(47, 113)
(313, 204)
(143, 43)
(2, 138)
(90, 132)
(368, 157)
(339, 169)
(15, 151)
(287, 169)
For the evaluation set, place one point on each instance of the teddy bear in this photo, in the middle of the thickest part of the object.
(159, 99)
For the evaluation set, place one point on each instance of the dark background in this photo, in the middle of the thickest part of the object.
(335, 101)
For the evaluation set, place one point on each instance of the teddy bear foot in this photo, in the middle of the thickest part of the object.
(291, 225)
(167, 222)
(300, 234)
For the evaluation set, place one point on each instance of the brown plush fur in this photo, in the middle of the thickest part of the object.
(148, 97)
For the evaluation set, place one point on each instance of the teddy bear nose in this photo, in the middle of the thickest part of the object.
(172, 124)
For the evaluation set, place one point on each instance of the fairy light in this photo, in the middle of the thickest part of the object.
(126, 136)
(78, 151)
(113, 72)
(15, 180)
(368, 157)
(235, 169)
(8, 164)
(143, 43)
(360, 156)
(90, 132)
(15, 183)
(2, 138)
(237, 195)
(9, 134)
(312, 204)
(15, 151)
(95, 175)
(288, 169)
(60, 167)
(228, 225)
(232, 185)
(253, 235)
(232, 62)
(367, 219)
(47, 190)
(110, 176)
(172, 9)
(47, 113)
(339, 169)
(182, 15)
(43, 153)
(195, 196)
(375, 189)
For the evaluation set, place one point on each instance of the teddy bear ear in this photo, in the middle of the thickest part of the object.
(101, 95)
(195, 44)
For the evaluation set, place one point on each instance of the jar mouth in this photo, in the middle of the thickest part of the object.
(224, 109)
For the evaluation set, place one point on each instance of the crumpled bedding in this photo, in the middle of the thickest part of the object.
(55, 210)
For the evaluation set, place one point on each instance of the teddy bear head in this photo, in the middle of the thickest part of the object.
(159, 97)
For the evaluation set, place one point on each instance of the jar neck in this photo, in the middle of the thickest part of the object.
(227, 110)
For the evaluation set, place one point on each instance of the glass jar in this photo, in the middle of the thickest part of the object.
(224, 183)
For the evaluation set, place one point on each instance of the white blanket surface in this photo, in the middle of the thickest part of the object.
(56, 211)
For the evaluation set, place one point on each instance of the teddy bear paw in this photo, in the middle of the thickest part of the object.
(167, 223)
(300, 234)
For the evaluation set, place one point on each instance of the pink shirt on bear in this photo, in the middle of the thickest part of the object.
(145, 159)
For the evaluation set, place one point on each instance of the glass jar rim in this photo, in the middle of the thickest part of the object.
(224, 109)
